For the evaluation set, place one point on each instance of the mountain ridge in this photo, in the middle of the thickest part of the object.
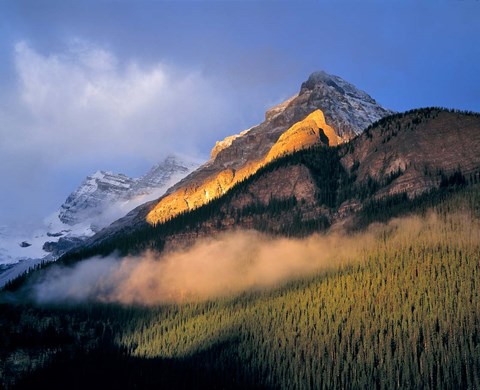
(317, 189)
(238, 156)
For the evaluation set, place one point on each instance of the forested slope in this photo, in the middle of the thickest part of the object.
(404, 313)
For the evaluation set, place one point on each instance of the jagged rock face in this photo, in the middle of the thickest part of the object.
(226, 143)
(347, 109)
(324, 102)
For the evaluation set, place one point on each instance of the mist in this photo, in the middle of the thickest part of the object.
(223, 266)
(238, 261)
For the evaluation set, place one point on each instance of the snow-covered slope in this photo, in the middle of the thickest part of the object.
(105, 196)
(94, 193)
(100, 199)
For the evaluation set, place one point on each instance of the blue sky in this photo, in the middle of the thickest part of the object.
(117, 85)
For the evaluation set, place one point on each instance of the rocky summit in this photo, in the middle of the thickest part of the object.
(347, 109)
(99, 194)
(326, 110)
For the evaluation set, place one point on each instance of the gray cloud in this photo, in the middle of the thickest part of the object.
(84, 98)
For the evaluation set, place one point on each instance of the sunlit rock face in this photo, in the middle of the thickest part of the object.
(312, 130)
(327, 110)
(306, 133)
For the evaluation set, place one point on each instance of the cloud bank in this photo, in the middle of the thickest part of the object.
(85, 99)
(71, 112)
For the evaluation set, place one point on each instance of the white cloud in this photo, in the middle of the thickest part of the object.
(84, 101)
(83, 106)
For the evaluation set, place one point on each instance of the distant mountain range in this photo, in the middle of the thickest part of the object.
(99, 200)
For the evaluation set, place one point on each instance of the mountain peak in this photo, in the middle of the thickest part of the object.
(103, 189)
(320, 76)
(347, 109)
(327, 110)
(323, 78)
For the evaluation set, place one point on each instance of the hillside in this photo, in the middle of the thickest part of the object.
(416, 147)
(325, 297)
(401, 312)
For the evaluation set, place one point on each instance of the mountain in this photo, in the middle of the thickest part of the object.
(324, 101)
(397, 162)
(99, 200)
(326, 110)
(361, 305)
(105, 196)
(96, 191)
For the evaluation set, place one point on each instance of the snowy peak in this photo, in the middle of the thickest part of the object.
(94, 192)
(162, 173)
(105, 196)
